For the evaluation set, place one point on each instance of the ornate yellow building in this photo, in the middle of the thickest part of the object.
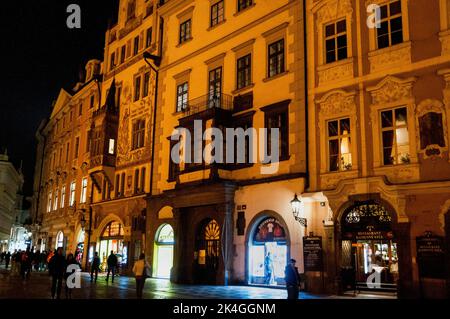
(378, 141)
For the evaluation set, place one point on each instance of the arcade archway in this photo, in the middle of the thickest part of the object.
(163, 252)
(268, 252)
(111, 239)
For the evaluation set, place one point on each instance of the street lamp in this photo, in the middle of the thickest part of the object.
(296, 210)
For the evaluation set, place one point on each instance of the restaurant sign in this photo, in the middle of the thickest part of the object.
(312, 253)
(430, 256)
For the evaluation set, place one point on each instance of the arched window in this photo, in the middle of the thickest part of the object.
(113, 229)
(165, 235)
(60, 240)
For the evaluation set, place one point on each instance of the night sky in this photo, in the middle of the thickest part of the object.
(40, 54)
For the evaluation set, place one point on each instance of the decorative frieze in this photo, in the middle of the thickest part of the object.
(390, 57)
(342, 70)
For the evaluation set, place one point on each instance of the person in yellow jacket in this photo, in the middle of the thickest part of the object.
(141, 270)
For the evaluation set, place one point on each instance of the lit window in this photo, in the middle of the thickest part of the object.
(63, 196)
(49, 204)
(339, 145)
(395, 138)
(72, 194)
(111, 146)
(84, 184)
(55, 202)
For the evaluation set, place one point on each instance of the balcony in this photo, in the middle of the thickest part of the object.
(208, 102)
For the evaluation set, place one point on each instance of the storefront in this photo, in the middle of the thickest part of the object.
(112, 240)
(267, 253)
(163, 252)
(369, 251)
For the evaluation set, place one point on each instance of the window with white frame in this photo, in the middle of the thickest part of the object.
(394, 136)
(339, 145)
(55, 202)
(72, 194)
(63, 196)
(49, 202)
(336, 41)
(390, 31)
(84, 184)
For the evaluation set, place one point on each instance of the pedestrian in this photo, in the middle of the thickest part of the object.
(292, 280)
(141, 270)
(70, 261)
(268, 269)
(112, 264)
(95, 266)
(7, 259)
(25, 264)
(57, 268)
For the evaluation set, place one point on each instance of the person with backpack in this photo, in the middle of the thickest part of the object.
(112, 264)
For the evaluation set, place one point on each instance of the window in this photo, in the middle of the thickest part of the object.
(122, 185)
(72, 194)
(394, 130)
(136, 181)
(136, 45)
(117, 190)
(77, 146)
(84, 185)
(276, 58)
(143, 179)
(63, 196)
(131, 9)
(138, 134)
(80, 109)
(91, 104)
(137, 88)
(146, 84)
(123, 54)
(174, 168)
(391, 30)
(431, 130)
(217, 13)
(67, 152)
(244, 71)
(55, 202)
(244, 4)
(215, 87)
(111, 146)
(112, 61)
(182, 96)
(49, 203)
(339, 145)
(148, 39)
(185, 31)
(336, 41)
(276, 116)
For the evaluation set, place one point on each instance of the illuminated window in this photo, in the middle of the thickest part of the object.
(391, 29)
(113, 229)
(111, 146)
(336, 41)
(339, 145)
(55, 202)
(63, 196)
(72, 194)
(49, 203)
(84, 184)
(395, 138)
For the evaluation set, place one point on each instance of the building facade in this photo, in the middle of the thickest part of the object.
(11, 181)
(227, 65)
(378, 141)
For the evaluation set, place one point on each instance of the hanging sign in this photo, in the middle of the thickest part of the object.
(312, 253)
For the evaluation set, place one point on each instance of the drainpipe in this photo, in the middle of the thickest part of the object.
(305, 45)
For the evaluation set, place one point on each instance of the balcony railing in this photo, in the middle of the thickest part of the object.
(206, 102)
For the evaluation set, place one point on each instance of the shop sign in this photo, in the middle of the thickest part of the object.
(270, 230)
(312, 253)
(369, 234)
(430, 256)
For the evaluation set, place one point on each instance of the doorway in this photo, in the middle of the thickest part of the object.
(163, 259)
(207, 252)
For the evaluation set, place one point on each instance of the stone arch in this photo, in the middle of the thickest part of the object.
(110, 218)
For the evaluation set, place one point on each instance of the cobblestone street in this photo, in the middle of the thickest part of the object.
(38, 287)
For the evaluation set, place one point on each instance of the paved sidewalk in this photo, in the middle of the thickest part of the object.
(38, 287)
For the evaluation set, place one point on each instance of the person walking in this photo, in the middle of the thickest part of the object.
(7, 259)
(141, 270)
(57, 268)
(70, 261)
(95, 267)
(112, 264)
(292, 280)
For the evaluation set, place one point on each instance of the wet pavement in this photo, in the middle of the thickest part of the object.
(38, 286)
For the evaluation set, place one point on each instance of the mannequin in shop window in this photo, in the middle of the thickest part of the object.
(268, 269)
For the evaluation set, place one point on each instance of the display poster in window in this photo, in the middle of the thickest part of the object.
(270, 230)
(430, 256)
(312, 253)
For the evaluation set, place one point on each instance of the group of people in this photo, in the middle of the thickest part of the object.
(23, 262)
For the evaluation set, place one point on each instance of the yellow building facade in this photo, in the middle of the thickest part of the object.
(378, 142)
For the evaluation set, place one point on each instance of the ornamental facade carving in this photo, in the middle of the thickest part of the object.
(391, 89)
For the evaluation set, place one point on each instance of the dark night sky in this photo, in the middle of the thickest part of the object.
(39, 56)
